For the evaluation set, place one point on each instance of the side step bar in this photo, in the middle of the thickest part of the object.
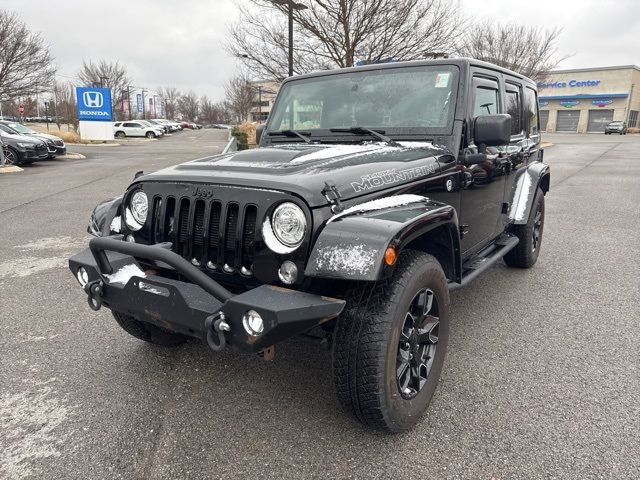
(485, 259)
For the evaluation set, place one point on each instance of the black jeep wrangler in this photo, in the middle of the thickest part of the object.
(375, 192)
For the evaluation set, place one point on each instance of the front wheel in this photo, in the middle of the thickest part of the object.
(151, 135)
(390, 344)
(10, 157)
(148, 332)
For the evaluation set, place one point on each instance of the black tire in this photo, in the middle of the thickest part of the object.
(120, 134)
(148, 332)
(525, 254)
(366, 353)
(150, 135)
(11, 157)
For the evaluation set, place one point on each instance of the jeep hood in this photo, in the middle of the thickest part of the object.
(355, 169)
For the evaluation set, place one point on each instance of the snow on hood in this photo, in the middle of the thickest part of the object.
(21, 138)
(354, 150)
(124, 274)
(379, 204)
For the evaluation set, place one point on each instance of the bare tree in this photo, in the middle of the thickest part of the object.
(64, 103)
(529, 50)
(26, 66)
(240, 95)
(213, 112)
(188, 106)
(337, 33)
(170, 95)
(110, 75)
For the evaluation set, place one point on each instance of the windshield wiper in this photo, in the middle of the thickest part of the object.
(291, 133)
(379, 134)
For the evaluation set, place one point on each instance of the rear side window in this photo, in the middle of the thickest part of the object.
(514, 108)
(531, 111)
(486, 100)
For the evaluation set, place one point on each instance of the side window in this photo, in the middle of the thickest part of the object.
(531, 111)
(485, 98)
(514, 108)
(128, 125)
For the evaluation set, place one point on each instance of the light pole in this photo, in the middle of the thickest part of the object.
(292, 6)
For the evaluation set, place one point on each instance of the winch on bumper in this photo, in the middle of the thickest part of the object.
(202, 308)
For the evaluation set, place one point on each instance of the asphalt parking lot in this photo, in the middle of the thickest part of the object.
(542, 377)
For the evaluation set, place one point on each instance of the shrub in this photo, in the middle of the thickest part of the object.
(241, 137)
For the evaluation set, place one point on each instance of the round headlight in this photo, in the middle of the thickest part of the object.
(289, 224)
(139, 207)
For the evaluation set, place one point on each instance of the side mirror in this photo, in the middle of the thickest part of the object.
(492, 130)
(259, 130)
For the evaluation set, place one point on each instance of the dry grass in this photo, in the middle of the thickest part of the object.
(250, 130)
(68, 137)
(633, 130)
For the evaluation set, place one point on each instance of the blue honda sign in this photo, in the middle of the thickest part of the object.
(94, 104)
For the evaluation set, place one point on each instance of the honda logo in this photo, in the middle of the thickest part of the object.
(93, 99)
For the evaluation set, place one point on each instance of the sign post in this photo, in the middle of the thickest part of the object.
(95, 113)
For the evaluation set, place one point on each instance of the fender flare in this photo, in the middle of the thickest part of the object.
(524, 191)
(353, 247)
(102, 217)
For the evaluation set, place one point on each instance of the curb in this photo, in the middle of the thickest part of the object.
(546, 145)
(71, 156)
(10, 169)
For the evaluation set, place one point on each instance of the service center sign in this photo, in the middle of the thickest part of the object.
(94, 104)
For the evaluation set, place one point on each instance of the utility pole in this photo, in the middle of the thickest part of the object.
(46, 113)
(292, 6)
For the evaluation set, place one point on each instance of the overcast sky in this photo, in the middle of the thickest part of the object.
(179, 42)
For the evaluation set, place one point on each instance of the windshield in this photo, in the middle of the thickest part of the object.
(7, 129)
(20, 128)
(398, 100)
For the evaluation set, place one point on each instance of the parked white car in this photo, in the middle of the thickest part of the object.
(136, 129)
(173, 126)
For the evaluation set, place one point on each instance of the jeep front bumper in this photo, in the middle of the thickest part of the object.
(199, 306)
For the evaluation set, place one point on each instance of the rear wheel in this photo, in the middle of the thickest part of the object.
(120, 135)
(148, 332)
(390, 344)
(525, 254)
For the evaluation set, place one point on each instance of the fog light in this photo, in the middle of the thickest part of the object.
(252, 323)
(288, 272)
(130, 238)
(82, 276)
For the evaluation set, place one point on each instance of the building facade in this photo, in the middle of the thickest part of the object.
(264, 95)
(586, 100)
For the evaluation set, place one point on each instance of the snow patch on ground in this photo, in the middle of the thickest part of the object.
(381, 203)
(346, 258)
(24, 267)
(116, 224)
(124, 274)
(29, 421)
(520, 198)
(272, 242)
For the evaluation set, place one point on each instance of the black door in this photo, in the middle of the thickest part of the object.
(483, 184)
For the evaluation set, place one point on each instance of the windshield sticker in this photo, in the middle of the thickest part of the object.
(386, 177)
(442, 80)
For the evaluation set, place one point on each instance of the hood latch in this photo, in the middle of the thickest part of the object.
(331, 193)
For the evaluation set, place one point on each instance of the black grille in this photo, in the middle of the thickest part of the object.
(208, 233)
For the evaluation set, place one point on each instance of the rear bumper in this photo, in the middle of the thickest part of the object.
(188, 303)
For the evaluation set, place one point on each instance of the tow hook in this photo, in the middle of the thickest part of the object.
(94, 294)
(216, 326)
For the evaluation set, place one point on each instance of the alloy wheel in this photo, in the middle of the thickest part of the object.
(418, 344)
